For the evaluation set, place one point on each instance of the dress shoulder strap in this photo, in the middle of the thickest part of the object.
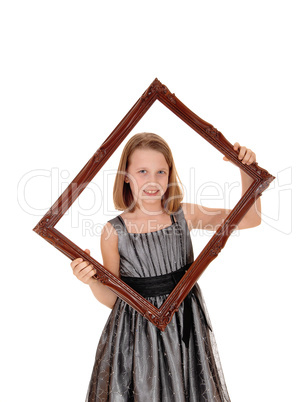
(178, 215)
(117, 224)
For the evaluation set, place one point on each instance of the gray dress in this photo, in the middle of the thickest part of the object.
(135, 361)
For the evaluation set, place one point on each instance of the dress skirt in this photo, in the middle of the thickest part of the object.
(135, 361)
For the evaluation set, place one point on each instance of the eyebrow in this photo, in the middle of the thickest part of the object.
(143, 167)
(146, 168)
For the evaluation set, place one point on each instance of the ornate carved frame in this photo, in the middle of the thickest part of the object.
(261, 180)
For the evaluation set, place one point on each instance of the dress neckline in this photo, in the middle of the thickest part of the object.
(154, 231)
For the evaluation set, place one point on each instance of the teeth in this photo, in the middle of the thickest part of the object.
(151, 192)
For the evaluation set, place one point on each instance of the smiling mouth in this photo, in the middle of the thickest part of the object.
(154, 192)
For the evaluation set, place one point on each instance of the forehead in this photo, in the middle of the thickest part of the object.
(146, 157)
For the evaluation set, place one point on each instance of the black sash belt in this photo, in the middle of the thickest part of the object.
(161, 285)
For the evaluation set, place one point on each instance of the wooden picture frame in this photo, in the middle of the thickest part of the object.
(261, 180)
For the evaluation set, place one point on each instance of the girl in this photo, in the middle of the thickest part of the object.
(135, 361)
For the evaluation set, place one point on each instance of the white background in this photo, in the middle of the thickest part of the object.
(69, 72)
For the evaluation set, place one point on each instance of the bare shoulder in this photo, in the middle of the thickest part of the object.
(109, 248)
(109, 235)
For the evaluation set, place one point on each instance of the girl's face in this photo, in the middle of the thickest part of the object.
(147, 174)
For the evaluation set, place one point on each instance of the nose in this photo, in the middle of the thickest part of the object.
(152, 179)
(151, 186)
(152, 183)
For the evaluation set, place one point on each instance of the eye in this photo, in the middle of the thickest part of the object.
(162, 171)
(142, 170)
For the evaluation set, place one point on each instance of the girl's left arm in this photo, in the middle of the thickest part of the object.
(200, 217)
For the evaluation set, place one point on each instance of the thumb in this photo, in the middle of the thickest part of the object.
(87, 251)
(225, 159)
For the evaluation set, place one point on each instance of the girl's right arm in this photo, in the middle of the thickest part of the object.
(84, 271)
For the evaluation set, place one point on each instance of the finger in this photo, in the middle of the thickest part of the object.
(242, 153)
(87, 251)
(252, 158)
(87, 279)
(236, 146)
(89, 275)
(82, 273)
(87, 272)
(80, 267)
(247, 156)
(225, 159)
(76, 262)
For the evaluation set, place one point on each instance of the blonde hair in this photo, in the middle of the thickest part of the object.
(122, 195)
